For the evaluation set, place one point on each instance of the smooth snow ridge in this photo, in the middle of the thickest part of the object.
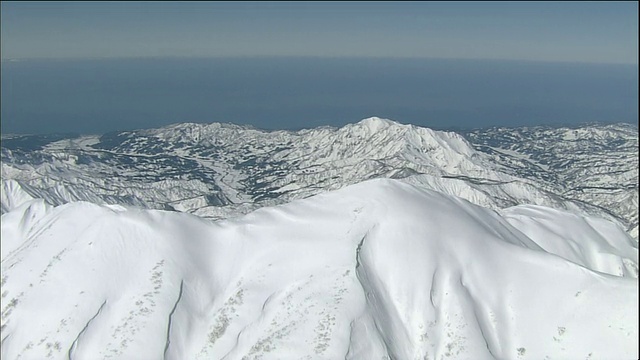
(381, 269)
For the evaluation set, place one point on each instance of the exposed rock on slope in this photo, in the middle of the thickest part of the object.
(221, 170)
(378, 269)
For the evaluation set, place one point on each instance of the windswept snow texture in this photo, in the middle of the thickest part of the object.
(381, 269)
(222, 170)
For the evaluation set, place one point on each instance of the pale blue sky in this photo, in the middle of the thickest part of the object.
(600, 32)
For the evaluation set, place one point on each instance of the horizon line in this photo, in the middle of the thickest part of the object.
(301, 57)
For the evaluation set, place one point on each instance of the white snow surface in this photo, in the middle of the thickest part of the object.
(380, 269)
(224, 170)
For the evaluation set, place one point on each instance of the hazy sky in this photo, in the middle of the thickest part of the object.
(605, 32)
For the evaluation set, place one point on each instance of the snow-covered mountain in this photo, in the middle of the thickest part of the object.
(381, 269)
(595, 164)
(219, 170)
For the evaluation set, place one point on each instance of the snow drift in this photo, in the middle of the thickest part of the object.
(377, 269)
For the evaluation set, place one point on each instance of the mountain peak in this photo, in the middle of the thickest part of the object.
(375, 123)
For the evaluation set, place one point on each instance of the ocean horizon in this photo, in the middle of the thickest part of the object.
(93, 96)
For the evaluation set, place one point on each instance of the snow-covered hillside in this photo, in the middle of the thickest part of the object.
(381, 269)
(220, 170)
(594, 164)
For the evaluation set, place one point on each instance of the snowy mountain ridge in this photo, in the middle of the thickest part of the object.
(380, 269)
(221, 170)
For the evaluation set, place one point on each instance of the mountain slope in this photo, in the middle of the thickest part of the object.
(378, 269)
(594, 164)
(221, 170)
